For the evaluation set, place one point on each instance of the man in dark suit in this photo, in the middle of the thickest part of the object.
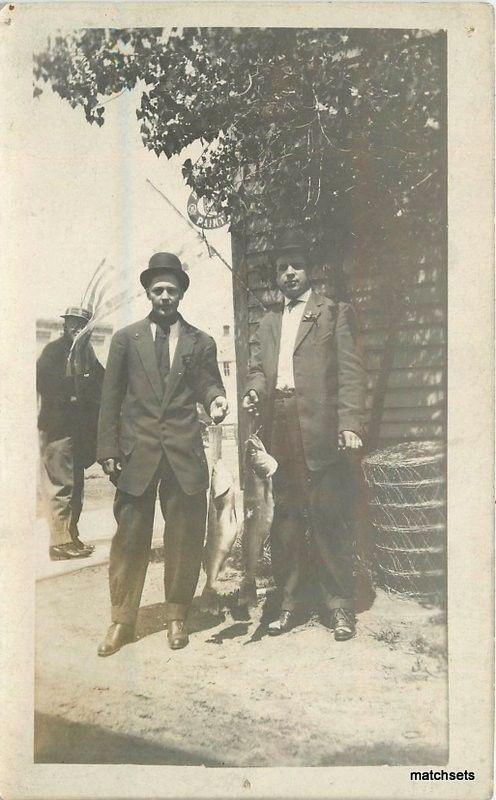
(69, 382)
(307, 380)
(149, 437)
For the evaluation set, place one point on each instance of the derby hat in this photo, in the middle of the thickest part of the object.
(77, 311)
(161, 262)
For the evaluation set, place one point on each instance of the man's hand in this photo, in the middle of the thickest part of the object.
(251, 402)
(218, 409)
(347, 440)
(111, 467)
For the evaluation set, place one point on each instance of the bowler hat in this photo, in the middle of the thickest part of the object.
(291, 240)
(164, 261)
(77, 311)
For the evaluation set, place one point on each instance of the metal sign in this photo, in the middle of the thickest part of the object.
(203, 213)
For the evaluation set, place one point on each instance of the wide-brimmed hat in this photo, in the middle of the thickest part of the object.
(291, 239)
(160, 262)
(77, 311)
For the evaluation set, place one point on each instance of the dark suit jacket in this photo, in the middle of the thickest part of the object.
(329, 376)
(59, 417)
(139, 422)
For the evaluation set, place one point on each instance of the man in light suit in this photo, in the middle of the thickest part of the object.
(307, 380)
(149, 437)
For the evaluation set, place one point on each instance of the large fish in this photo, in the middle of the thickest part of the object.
(222, 529)
(259, 513)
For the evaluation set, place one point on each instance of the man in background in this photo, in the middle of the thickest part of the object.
(307, 380)
(149, 438)
(68, 380)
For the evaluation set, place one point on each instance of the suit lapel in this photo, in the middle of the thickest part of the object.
(184, 348)
(146, 350)
(309, 318)
(276, 330)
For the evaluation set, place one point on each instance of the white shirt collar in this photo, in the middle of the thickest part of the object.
(301, 299)
(174, 328)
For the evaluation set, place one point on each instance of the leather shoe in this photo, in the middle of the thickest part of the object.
(177, 634)
(283, 624)
(117, 636)
(343, 622)
(83, 546)
(62, 552)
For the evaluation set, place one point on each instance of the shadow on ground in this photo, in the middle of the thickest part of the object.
(59, 741)
(151, 619)
(235, 698)
(384, 754)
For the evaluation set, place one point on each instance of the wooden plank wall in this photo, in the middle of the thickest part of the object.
(415, 401)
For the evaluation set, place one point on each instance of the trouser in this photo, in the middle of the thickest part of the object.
(62, 487)
(184, 532)
(311, 543)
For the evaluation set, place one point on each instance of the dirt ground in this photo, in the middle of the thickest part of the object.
(235, 696)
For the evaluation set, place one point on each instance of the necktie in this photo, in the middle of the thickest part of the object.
(293, 303)
(162, 350)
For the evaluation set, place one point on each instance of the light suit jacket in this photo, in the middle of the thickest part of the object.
(139, 422)
(329, 376)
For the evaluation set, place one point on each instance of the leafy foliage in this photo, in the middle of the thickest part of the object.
(341, 132)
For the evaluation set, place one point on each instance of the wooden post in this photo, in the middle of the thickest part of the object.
(241, 340)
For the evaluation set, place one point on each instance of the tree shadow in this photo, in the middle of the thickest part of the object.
(61, 741)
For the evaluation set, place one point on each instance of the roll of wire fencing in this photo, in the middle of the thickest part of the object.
(407, 504)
